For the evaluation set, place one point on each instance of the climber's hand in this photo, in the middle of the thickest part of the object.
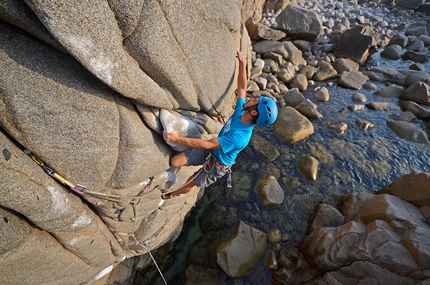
(171, 137)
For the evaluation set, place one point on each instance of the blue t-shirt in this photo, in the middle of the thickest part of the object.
(234, 136)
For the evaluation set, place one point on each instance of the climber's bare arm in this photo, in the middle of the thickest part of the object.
(192, 142)
(242, 79)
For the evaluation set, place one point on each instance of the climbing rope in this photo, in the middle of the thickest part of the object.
(144, 245)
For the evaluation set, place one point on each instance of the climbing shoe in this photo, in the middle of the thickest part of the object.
(167, 196)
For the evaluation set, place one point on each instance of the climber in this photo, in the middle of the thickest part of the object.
(221, 152)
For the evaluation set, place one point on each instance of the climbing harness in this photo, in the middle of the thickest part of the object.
(78, 188)
(207, 166)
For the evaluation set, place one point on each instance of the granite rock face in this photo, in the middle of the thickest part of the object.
(84, 86)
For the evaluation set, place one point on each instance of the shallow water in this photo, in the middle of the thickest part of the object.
(356, 161)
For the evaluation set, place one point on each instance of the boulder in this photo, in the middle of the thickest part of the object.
(291, 126)
(415, 109)
(338, 127)
(325, 71)
(399, 39)
(411, 4)
(326, 216)
(411, 187)
(293, 97)
(392, 52)
(418, 92)
(383, 106)
(238, 256)
(259, 31)
(345, 64)
(322, 94)
(392, 91)
(356, 44)
(271, 192)
(300, 82)
(385, 74)
(415, 56)
(352, 79)
(309, 109)
(299, 23)
(270, 46)
(408, 131)
(309, 166)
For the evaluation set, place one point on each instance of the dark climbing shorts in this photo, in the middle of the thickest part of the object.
(209, 174)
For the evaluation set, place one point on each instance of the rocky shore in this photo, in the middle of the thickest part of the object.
(313, 45)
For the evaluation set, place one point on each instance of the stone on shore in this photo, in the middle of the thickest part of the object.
(238, 256)
(299, 23)
(309, 166)
(408, 131)
(352, 79)
(291, 126)
(355, 43)
(418, 92)
(271, 192)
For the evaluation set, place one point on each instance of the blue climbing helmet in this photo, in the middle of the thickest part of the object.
(267, 111)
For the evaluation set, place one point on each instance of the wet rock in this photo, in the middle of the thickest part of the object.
(299, 23)
(416, 31)
(309, 109)
(356, 107)
(274, 236)
(291, 126)
(238, 256)
(408, 131)
(404, 116)
(418, 92)
(309, 166)
(326, 216)
(339, 127)
(370, 86)
(352, 79)
(415, 109)
(345, 65)
(359, 97)
(399, 39)
(412, 4)
(392, 91)
(271, 192)
(417, 66)
(411, 187)
(415, 56)
(392, 52)
(322, 94)
(364, 124)
(383, 106)
(272, 261)
(264, 148)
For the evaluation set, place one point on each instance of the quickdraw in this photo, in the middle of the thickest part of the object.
(78, 188)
